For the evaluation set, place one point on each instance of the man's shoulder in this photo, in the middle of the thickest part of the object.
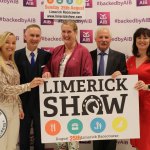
(19, 51)
(116, 52)
(43, 51)
(93, 51)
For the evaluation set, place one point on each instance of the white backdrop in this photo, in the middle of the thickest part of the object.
(123, 17)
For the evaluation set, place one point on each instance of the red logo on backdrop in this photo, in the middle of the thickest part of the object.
(88, 3)
(29, 3)
(86, 36)
(103, 18)
(46, 21)
(143, 2)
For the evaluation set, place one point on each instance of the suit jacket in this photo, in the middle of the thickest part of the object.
(116, 62)
(30, 100)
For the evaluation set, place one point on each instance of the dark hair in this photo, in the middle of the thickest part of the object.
(141, 31)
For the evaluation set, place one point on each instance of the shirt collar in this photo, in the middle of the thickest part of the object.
(28, 52)
(99, 51)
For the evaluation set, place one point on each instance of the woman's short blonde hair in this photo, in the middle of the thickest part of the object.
(71, 23)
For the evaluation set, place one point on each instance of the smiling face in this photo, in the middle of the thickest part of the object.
(68, 34)
(103, 39)
(8, 48)
(142, 42)
(32, 37)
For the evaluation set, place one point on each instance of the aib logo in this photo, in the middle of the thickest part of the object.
(143, 2)
(88, 3)
(46, 21)
(78, 2)
(103, 18)
(86, 36)
(29, 3)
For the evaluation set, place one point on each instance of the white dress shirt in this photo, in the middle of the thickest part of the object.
(28, 52)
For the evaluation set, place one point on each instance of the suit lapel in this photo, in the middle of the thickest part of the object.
(95, 62)
(109, 62)
(25, 62)
(39, 61)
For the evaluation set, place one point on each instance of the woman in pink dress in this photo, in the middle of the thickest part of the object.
(139, 64)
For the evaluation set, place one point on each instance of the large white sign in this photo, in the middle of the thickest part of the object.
(64, 9)
(89, 108)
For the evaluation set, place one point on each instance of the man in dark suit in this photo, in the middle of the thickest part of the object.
(30, 62)
(106, 62)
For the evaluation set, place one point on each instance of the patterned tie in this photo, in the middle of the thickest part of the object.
(101, 64)
(32, 59)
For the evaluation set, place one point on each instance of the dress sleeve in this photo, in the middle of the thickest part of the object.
(87, 64)
(7, 89)
(20, 104)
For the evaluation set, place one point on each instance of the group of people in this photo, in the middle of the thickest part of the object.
(22, 71)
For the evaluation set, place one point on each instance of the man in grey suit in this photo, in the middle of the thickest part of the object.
(106, 62)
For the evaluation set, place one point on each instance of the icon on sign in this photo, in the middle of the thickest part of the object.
(120, 124)
(75, 126)
(52, 127)
(98, 125)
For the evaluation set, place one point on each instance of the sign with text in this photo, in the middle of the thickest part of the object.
(64, 9)
(89, 108)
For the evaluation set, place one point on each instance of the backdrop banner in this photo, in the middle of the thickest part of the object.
(123, 17)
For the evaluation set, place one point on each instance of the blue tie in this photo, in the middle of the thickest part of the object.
(32, 59)
(101, 64)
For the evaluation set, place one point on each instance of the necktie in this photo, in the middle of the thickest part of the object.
(101, 64)
(32, 59)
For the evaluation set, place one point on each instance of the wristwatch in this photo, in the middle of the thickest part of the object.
(148, 86)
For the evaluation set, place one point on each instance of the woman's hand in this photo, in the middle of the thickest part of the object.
(36, 82)
(140, 85)
(116, 74)
(21, 114)
(46, 75)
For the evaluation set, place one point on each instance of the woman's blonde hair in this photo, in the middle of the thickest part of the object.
(3, 39)
(72, 23)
